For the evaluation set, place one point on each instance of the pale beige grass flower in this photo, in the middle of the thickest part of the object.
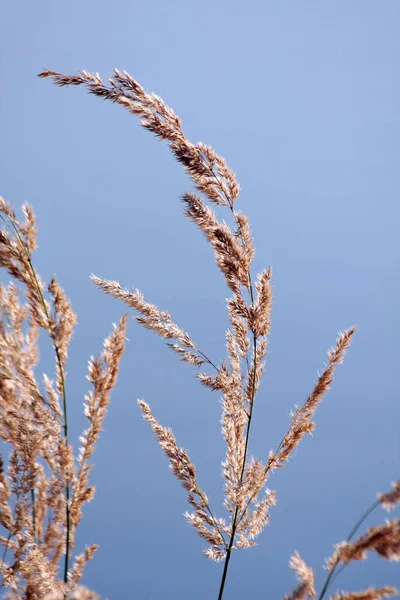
(369, 594)
(45, 486)
(249, 309)
(43, 490)
(305, 576)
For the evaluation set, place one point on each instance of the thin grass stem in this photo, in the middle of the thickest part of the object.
(235, 518)
(330, 578)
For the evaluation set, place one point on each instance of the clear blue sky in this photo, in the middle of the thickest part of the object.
(302, 99)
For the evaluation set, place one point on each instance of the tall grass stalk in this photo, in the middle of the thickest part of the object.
(46, 485)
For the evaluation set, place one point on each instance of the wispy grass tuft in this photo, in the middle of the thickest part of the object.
(43, 492)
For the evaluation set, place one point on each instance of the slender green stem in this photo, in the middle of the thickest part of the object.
(217, 527)
(358, 524)
(65, 425)
(206, 358)
(33, 512)
(235, 518)
(225, 571)
(249, 415)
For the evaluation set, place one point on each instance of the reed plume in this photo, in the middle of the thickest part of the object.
(237, 378)
(44, 489)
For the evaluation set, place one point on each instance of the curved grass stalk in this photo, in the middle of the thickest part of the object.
(331, 577)
(235, 521)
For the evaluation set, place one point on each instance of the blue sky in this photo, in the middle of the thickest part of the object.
(302, 99)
